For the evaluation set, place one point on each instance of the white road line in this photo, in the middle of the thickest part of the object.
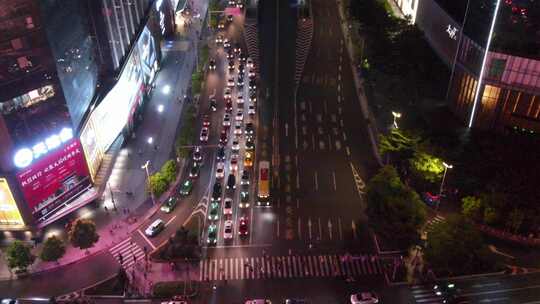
(320, 229)
(286, 129)
(341, 122)
(296, 160)
(339, 98)
(340, 229)
(251, 227)
(297, 180)
(329, 143)
(339, 110)
(348, 151)
(344, 136)
(169, 221)
(277, 220)
(299, 228)
(146, 239)
(304, 130)
(313, 141)
(334, 180)
(339, 75)
(316, 182)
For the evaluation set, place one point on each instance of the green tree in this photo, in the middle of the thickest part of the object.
(399, 141)
(83, 234)
(428, 167)
(456, 247)
(471, 207)
(53, 249)
(169, 171)
(515, 220)
(158, 184)
(394, 210)
(19, 256)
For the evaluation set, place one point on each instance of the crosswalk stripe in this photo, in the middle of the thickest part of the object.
(277, 267)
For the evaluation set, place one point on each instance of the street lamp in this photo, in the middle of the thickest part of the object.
(446, 167)
(112, 196)
(396, 116)
(145, 167)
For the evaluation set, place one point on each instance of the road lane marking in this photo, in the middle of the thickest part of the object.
(303, 105)
(251, 227)
(348, 151)
(341, 122)
(353, 227)
(339, 98)
(499, 291)
(303, 117)
(316, 181)
(296, 160)
(146, 239)
(320, 130)
(297, 180)
(319, 118)
(286, 129)
(330, 233)
(329, 143)
(297, 203)
(339, 110)
(313, 141)
(299, 229)
(320, 229)
(344, 136)
(334, 180)
(338, 145)
(340, 230)
(170, 220)
(277, 220)
(309, 227)
(333, 117)
(304, 130)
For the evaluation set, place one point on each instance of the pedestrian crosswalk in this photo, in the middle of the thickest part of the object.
(425, 295)
(432, 222)
(291, 266)
(252, 42)
(303, 45)
(127, 253)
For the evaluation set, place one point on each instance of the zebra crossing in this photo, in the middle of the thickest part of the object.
(424, 294)
(432, 222)
(283, 267)
(303, 45)
(129, 251)
(252, 41)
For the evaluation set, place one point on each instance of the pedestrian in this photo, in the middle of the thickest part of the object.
(106, 209)
(134, 259)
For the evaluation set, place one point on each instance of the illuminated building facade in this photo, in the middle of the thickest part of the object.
(59, 61)
(495, 89)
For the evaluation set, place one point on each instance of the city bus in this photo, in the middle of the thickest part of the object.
(263, 193)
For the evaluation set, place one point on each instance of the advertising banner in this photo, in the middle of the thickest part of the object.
(9, 212)
(54, 179)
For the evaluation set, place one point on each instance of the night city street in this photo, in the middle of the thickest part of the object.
(269, 151)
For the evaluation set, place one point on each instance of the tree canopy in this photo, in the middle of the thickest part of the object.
(455, 247)
(53, 249)
(394, 210)
(83, 234)
(19, 256)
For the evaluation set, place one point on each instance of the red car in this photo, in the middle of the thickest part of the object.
(228, 106)
(206, 121)
(243, 227)
(223, 137)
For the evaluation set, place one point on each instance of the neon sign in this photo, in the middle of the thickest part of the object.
(452, 32)
(25, 156)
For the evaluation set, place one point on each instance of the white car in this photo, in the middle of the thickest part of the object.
(234, 162)
(155, 227)
(364, 298)
(227, 94)
(238, 128)
(253, 98)
(226, 120)
(228, 230)
(226, 43)
(227, 206)
(258, 301)
(249, 63)
(220, 170)
(219, 39)
(251, 74)
(230, 82)
(239, 115)
(251, 109)
(240, 99)
(236, 144)
(204, 134)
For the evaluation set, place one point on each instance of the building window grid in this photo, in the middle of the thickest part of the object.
(112, 38)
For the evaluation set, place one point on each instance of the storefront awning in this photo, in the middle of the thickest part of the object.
(87, 197)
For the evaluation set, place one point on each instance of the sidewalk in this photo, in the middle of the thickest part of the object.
(127, 175)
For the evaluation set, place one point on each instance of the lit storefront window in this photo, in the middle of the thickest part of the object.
(9, 213)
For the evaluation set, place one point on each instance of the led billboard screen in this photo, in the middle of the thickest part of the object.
(54, 179)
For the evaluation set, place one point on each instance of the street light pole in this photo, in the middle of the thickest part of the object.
(145, 167)
(112, 196)
(446, 167)
(396, 116)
